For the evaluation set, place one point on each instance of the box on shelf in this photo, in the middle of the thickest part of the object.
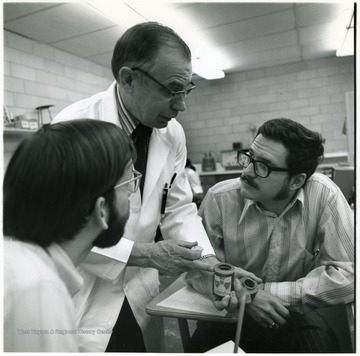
(28, 121)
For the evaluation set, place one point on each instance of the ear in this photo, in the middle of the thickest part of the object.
(126, 79)
(100, 213)
(296, 182)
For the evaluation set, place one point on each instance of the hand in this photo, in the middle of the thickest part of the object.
(202, 281)
(168, 257)
(267, 309)
(239, 273)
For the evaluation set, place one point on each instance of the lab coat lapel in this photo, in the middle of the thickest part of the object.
(109, 110)
(158, 153)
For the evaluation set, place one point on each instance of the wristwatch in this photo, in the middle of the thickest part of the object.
(252, 288)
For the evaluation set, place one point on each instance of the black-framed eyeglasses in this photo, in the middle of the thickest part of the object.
(172, 93)
(135, 182)
(261, 169)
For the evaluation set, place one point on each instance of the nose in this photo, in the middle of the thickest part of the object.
(250, 171)
(178, 103)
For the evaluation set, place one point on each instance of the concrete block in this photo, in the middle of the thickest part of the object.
(35, 89)
(13, 84)
(44, 51)
(21, 43)
(23, 72)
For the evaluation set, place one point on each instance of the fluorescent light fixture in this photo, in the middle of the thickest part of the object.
(206, 70)
(346, 47)
(118, 12)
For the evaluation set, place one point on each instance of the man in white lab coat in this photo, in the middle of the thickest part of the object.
(152, 68)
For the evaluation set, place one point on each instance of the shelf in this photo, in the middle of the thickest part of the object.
(10, 131)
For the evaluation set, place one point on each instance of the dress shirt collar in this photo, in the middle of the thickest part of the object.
(299, 196)
(66, 269)
(127, 121)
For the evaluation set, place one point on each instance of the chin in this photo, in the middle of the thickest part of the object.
(247, 191)
(162, 124)
(110, 237)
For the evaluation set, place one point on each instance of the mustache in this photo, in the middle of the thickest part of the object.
(248, 180)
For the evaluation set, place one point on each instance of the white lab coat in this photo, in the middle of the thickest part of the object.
(107, 278)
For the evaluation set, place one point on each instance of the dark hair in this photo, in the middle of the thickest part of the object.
(56, 175)
(139, 45)
(305, 147)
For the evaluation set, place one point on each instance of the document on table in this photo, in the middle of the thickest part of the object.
(188, 299)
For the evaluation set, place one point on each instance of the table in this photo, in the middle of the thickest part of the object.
(153, 308)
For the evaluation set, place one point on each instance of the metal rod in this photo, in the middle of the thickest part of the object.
(239, 322)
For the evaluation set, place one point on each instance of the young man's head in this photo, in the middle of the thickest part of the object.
(152, 66)
(282, 157)
(62, 175)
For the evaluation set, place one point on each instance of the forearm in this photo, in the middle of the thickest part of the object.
(140, 255)
(168, 257)
(325, 285)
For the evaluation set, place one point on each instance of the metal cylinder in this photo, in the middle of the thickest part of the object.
(223, 279)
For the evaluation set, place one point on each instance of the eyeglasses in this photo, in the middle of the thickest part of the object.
(261, 169)
(135, 182)
(171, 93)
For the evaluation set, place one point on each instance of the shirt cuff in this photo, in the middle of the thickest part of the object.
(121, 252)
(288, 292)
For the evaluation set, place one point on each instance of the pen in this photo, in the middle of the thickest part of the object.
(163, 200)
(164, 195)
(316, 253)
(172, 180)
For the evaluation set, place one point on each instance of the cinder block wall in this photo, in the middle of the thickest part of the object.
(223, 111)
(36, 74)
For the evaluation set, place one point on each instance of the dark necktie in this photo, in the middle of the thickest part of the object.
(141, 136)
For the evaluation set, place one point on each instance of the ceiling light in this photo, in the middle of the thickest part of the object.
(118, 12)
(346, 47)
(206, 70)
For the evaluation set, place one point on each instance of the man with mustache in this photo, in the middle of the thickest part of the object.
(291, 227)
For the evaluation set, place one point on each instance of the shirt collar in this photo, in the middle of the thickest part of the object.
(127, 121)
(66, 269)
(299, 196)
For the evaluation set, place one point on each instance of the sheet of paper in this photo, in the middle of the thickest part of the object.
(228, 347)
(188, 299)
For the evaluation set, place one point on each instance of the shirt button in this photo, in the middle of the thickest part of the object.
(136, 210)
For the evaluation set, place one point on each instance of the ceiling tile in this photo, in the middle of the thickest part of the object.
(209, 15)
(91, 44)
(312, 14)
(102, 59)
(59, 23)
(260, 44)
(13, 10)
(252, 28)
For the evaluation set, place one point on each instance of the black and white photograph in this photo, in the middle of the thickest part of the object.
(179, 176)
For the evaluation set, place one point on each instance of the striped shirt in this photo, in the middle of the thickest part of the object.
(127, 122)
(305, 256)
